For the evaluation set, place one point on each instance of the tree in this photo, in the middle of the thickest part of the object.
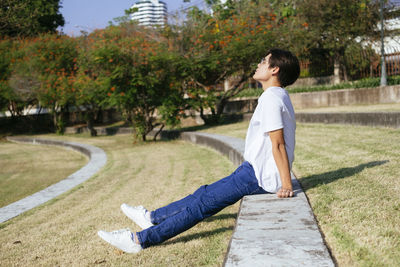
(45, 68)
(6, 46)
(226, 44)
(15, 93)
(29, 17)
(92, 80)
(336, 24)
(140, 75)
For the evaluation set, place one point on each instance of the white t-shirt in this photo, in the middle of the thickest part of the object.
(273, 112)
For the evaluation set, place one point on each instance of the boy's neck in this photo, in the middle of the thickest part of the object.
(270, 83)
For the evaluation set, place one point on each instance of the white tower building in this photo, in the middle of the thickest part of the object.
(150, 12)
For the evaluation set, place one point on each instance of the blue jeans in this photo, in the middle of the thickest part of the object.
(183, 214)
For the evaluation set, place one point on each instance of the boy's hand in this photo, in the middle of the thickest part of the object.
(284, 193)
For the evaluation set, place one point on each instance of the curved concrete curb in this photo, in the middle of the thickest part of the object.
(231, 147)
(98, 159)
(269, 231)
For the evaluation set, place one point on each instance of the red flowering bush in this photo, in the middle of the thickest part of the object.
(44, 67)
(225, 46)
(136, 73)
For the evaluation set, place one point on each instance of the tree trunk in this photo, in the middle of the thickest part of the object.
(344, 73)
(202, 116)
(158, 132)
(221, 105)
(216, 113)
(90, 123)
(342, 63)
(336, 69)
(55, 121)
(58, 120)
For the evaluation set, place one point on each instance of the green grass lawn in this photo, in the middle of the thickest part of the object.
(26, 169)
(349, 173)
(351, 177)
(63, 232)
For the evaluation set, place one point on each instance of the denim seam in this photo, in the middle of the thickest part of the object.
(258, 187)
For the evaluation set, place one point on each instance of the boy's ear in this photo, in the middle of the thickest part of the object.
(275, 70)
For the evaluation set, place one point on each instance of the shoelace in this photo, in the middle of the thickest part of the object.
(121, 231)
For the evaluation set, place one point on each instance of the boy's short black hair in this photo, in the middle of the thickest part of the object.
(289, 67)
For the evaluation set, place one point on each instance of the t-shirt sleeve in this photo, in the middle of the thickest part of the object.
(272, 114)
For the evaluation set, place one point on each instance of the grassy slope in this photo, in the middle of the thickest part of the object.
(26, 169)
(351, 176)
(63, 232)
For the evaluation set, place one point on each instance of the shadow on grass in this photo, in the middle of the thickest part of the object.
(200, 235)
(316, 180)
(221, 217)
(186, 238)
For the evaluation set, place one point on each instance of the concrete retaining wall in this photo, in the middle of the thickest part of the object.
(310, 81)
(366, 96)
(241, 105)
(385, 119)
(375, 119)
(362, 96)
(100, 130)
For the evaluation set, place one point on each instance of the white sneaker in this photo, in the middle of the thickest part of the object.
(121, 239)
(137, 215)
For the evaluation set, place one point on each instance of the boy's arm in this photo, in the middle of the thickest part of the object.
(282, 162)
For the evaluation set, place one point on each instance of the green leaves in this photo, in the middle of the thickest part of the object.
(29, 17)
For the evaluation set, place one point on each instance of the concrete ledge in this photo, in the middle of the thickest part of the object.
(100, 130)
(98, 159)
(277, 232)
(385, 119)
(269, 231)
(361, 96)
(331, 98)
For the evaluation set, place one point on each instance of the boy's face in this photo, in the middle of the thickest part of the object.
(264, 72)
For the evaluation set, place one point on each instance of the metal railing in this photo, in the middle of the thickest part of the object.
(362, 64)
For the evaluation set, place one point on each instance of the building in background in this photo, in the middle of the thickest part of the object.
(150, 12)
(392, 29)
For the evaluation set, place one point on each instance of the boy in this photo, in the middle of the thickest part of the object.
(269, 154)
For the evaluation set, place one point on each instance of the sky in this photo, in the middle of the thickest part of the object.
(88, 15)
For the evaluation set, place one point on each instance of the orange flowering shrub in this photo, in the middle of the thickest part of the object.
(130, 68)
(225, 45)
(45, 67)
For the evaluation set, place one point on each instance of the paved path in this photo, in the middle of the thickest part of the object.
(98, 159)
(269, 231)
